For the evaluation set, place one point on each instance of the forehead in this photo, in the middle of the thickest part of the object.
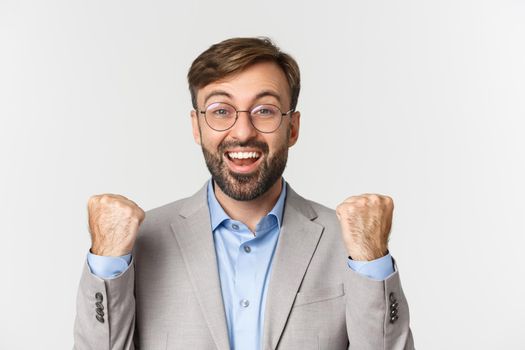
(248, 84)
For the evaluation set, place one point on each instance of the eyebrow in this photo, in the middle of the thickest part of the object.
(268, 93)
(217, 93)
(261, 94)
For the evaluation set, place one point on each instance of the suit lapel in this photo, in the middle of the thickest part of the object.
(298, 240)
(192, 230)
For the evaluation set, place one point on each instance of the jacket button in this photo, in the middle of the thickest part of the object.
(392, 297)
(393, 312)
(99, 305)
(100, 312)
(100, 319)
(394, 318)
(99, 297)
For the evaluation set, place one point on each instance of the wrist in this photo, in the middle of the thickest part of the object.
(367, 255)
(105, 251)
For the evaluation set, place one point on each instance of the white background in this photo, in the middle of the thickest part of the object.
(420, 100)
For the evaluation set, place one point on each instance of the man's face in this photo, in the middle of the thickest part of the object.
(248, 178)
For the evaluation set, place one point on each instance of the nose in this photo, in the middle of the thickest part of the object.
(243, 129)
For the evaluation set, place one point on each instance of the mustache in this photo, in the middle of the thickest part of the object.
(262, 146)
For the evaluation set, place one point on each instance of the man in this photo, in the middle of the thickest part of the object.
(245, 263)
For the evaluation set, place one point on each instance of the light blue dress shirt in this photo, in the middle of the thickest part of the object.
(244, 262)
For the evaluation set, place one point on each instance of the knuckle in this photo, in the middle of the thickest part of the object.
(389, 201)
(343, 207)
(126, 209)
(105, 199)
(349, 199)
(348, 211)
(139, 213)
(374, 197)
(361, 200)
(341, 214)
(94, 199)
(134, 219)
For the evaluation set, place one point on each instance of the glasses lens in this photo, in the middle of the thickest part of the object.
(220, 116)
(266, 118)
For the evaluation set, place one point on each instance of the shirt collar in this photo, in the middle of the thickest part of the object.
(218, 215)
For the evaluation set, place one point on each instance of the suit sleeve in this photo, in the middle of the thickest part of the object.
(105, 318)
(108, 267)
(377, 314)
(378, 269)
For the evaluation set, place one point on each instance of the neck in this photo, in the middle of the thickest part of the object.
(250, 212)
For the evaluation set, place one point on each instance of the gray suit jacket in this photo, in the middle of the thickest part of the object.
(170, 297)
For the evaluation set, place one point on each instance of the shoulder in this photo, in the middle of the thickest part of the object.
(160, 218)
(322, 210)
(164, 212)
(326, 217)
(156, 231)
(156, 225)
(181, 207)
(330, 250)
(317, 213)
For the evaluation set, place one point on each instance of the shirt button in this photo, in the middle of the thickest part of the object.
(245, 303)
(247, 248)
(235, 226)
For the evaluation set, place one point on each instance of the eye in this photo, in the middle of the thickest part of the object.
(220, 110)
(265, 111)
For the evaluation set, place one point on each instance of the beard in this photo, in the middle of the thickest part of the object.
(246, 187)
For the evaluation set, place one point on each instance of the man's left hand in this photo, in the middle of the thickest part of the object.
(365, 225)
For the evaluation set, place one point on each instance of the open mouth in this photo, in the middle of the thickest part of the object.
(243, 161)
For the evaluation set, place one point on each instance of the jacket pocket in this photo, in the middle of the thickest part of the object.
(319, 294)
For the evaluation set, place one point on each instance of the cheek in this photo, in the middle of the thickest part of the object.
(211, 141)
(278, 142)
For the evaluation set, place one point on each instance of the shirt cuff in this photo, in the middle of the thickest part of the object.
(378, 269)
(108, 267)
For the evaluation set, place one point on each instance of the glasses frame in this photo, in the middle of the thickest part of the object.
(203, 112)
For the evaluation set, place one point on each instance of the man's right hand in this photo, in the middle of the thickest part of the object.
(114, 222)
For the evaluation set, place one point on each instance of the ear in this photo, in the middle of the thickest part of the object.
(295, 122)
(195, 127)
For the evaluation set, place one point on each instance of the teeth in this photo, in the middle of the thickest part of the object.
(243, 155)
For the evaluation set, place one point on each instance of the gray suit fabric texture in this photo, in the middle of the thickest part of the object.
(170, 296)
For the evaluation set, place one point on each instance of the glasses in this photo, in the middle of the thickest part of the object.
(221, 116)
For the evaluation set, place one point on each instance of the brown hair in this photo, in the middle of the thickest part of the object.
(236, 54)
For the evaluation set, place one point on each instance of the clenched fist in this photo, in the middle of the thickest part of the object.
(114, 222)
(365, 225)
